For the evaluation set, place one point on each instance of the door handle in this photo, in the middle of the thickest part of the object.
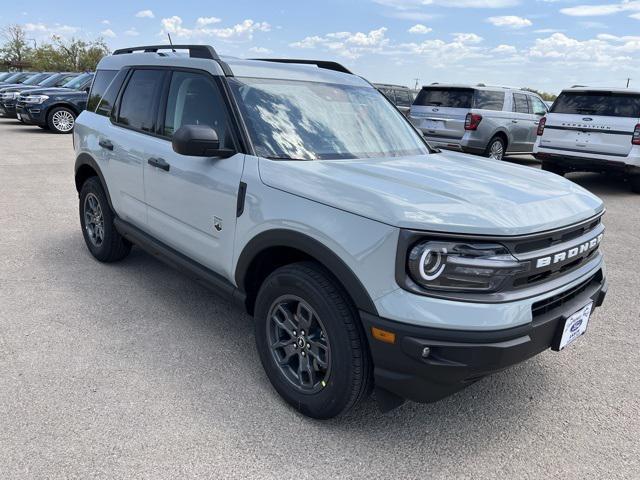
(514, 121)
(106, 144)
(159, 163)
(537, 123)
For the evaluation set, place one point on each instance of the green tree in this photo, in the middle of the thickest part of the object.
(550, 97)
(15, 51)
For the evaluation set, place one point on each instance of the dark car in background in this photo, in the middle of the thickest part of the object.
(55, 109)
(4, 75)
(401, 96)
(17, 78)
(9, 94)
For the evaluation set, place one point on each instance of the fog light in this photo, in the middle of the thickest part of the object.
(426, 351)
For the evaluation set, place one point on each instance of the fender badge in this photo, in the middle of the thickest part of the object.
(217, 223)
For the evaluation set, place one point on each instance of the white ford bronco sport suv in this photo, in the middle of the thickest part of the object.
(592, 130)
(368, 259)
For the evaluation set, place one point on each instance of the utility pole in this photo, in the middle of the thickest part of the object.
(415, 87)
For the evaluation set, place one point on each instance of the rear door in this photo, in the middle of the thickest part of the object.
(521, 124)
(593, 122)
(441, 111)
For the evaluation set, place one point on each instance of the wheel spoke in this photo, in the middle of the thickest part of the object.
(306, 373)
(304, 316)
(282, 318)
(319, 353)
(289, 352)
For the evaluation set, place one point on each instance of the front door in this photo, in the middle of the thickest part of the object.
(192, 201)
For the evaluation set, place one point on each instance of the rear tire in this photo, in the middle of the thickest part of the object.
(554, 168)
(61, 120)
(96, 219)
(496, 148)
(634, 181)
(310, 341)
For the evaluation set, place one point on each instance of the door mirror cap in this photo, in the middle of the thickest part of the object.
(198, 141)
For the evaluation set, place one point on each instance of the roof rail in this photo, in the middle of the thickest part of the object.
(327, 65)
(195, 51)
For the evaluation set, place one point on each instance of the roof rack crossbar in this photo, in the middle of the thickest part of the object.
(195, 51)
(325, 64)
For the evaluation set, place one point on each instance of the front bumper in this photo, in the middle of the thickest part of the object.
(8, 109)
(32, 115)
(458, 358)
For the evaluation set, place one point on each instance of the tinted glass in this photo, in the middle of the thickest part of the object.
(290, 119)
(57, 80)
(77, 82)
(4, 76)
(13, 77)
(403, 98)
(520, 103)
(195, 100)
(25, 78)
(607, 104)
(445, 97)
(538, 106)
(109, 98)
(140, 99)
(100, 83)
(488, 100)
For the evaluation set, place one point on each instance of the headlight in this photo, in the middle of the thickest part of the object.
(36, 99)
(461, 266)
(10, 95)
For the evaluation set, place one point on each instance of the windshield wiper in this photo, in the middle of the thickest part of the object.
(275, 157)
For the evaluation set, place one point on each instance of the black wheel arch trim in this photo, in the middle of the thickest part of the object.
(86, 159)
(311, 247)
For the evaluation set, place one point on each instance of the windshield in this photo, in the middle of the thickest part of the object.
(36, 79)
(13, 77)
(56, 80)
(290, 119)
(445, 97)
(4, 76)
(78, 82)
(607, 104)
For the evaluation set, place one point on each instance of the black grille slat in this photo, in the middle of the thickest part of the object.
(551, 303)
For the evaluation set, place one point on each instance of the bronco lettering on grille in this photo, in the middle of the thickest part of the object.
(568, 254)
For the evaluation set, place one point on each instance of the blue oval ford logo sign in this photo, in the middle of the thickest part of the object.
(587, 119)
(576, 326)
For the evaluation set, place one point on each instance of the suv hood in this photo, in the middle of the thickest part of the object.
(446, 192)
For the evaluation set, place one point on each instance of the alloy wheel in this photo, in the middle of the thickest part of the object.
(497, 150)
(298, 344)
(93, 220)
(63, 120)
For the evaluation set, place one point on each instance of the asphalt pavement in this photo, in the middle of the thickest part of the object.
(132, 370)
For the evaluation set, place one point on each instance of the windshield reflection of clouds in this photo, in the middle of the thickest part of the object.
(311, 121)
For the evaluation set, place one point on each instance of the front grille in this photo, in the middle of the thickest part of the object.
(556, 238)
(551, 303)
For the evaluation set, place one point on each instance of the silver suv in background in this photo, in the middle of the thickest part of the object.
(491, 121)
(593, 130)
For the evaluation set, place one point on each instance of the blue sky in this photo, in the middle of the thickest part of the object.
(545, 44)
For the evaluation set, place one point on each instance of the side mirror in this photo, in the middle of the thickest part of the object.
(198, 141)
(88, 89)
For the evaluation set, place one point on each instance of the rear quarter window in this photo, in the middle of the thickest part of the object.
(445, 97)
(488, 100)
(607, 104)
(101, 81)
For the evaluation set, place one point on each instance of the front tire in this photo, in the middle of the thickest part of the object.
(61, 120)
(553, 168)
(496, 148)
(310, 341)
(634, 181)
(96, 219)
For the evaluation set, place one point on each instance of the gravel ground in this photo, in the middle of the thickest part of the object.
(131, 370)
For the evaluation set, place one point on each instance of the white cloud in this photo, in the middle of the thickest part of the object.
(505, 50)
(105, 22)
(43, 30)
(108, 33)
(132, 32)
(145, 14)
(467, 38)
(260, 50)
(635, 16)
(600, 10)
(510, 21)
(204, 21)
(419, 29)
(240, 31)
(412, 4)
(347, 44)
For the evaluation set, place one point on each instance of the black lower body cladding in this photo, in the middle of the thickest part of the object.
(428, 364)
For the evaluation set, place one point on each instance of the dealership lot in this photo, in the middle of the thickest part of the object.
(132, 369)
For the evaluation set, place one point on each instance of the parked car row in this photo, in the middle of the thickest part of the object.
(50, 100)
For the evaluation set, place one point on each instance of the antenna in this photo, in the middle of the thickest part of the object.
(628, 80)
(171, 43)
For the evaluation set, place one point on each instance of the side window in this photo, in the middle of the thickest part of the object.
(64, 79)
(520, 103)
(403, 98)
(538, 106)
(109, 98)
(388, 93)
(100, 83)
(195, 99)
(140, 100)
(488, 100)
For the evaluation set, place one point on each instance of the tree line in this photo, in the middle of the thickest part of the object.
(18, 52)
